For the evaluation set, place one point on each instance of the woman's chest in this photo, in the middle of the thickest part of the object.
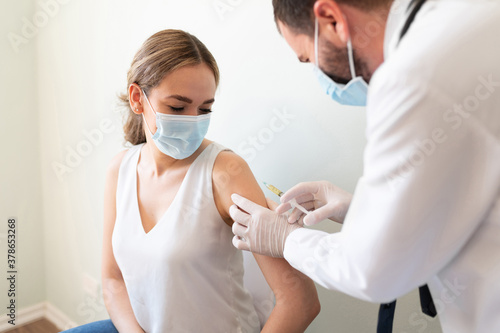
(155, 196)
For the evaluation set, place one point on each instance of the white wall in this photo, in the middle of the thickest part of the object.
(20, 190)
(83, 52)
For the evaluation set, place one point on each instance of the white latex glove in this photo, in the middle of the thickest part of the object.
(258, 229)
(323, 199)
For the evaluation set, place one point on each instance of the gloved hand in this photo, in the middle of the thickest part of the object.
(323, 199)
(258, 229)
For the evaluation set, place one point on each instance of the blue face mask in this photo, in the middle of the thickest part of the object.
(178, 136)
(353, 93)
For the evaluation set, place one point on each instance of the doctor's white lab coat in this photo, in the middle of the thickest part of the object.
(427, 208)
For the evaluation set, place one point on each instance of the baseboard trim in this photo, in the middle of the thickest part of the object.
(57, 317)
(36, 312)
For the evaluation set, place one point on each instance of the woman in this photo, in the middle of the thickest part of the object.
(168, 262)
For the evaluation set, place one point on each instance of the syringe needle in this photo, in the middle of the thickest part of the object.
(292, 202)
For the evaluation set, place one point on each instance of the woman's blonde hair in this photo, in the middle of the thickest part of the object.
(162, 53)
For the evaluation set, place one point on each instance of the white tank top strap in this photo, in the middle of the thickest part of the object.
(126, 177)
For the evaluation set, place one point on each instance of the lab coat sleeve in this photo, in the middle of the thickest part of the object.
(426, 187)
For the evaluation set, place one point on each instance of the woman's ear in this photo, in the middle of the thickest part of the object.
(332, 21)
(134, 97)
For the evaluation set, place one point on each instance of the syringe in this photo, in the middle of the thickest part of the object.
(292, 202)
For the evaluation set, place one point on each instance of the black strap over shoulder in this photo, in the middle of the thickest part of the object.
(417, 5)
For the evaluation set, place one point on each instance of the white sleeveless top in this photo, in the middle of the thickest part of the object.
(184, 275)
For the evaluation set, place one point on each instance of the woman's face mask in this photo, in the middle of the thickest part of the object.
(178, 136)
(353, 93)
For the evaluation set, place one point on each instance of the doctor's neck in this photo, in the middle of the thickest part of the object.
(367, 31)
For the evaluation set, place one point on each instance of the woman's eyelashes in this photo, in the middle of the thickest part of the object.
(176, 109)
(181, 109)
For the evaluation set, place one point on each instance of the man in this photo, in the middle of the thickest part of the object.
(427, 208)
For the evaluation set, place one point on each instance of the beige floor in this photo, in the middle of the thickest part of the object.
(39, 326)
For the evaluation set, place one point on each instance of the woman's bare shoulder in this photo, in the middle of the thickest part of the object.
(229, 163)
(114, 164)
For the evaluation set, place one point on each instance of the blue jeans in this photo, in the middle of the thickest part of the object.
(102, 326)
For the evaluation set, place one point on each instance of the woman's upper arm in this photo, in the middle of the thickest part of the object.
(109, 267)
(233, 175)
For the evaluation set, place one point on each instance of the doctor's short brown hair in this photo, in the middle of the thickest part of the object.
(298, 15)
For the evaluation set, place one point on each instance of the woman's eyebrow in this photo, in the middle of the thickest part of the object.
(181, 98)
(188, 100)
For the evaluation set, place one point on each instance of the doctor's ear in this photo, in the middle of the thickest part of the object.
(332, 21)
(135, 98)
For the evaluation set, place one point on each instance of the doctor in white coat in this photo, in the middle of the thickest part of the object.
(427, 207)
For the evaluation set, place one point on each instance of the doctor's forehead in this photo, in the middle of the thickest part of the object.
(301, 44)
